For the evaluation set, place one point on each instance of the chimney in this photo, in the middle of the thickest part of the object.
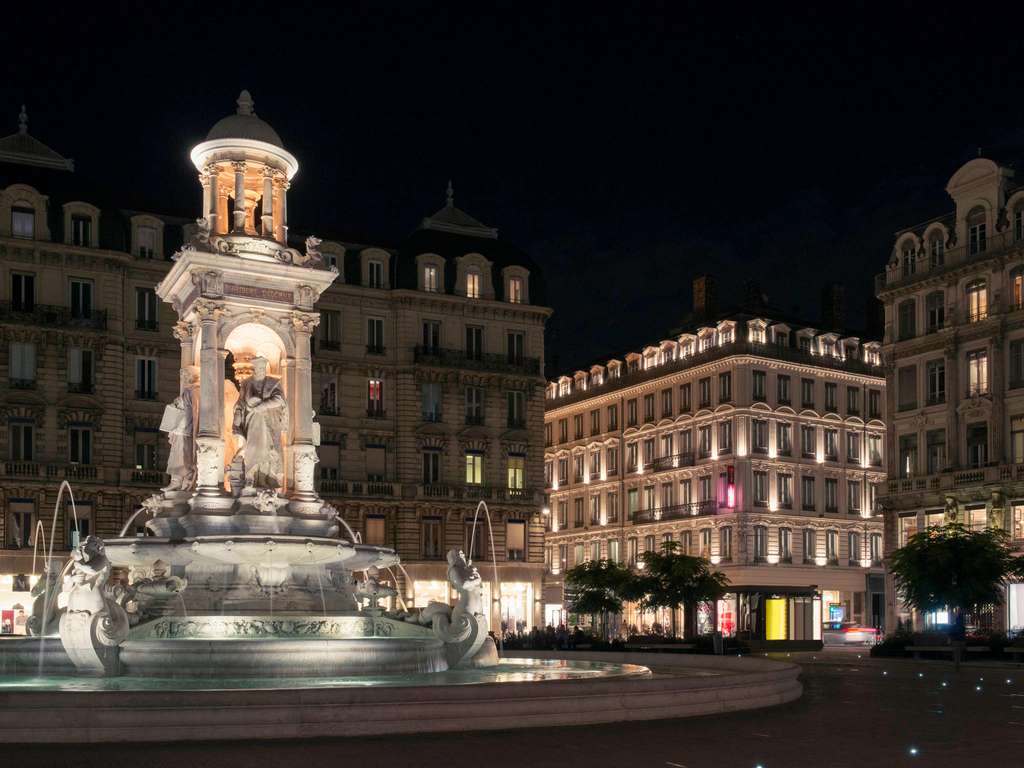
(703, 296)
(833, 306)
(754, 299)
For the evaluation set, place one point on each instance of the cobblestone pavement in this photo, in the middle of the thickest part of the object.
(855, 712)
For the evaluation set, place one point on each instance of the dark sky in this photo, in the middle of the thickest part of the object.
(626, 147)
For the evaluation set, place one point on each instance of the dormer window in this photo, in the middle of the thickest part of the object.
(976, 233)
(146, 242)
(908, 259)
(430, 278)
(1018, 223)
(375, 274)
(81, 231)
(782, 339)
(473, 284)
(515, 290)
(937, 250)
(23, 222)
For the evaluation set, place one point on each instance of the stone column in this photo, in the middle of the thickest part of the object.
(239, 210)
(211, 203)
(303, 443)
(284, 211)
(210, 440)
(204, 181)
(952, 399)
(183, 332)
(267, 219)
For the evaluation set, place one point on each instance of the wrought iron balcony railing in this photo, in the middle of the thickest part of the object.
(481, 361)
(30, 313)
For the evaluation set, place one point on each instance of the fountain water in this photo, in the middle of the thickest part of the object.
(494, 564)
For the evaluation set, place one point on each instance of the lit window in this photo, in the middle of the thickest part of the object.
(23, 223)
(515, 290)
(977, 372)
(977, 301)
(374, 398)
(517, 473)
(473, 284)
(474, 468)
(430, 278)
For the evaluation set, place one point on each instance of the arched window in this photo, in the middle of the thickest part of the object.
(1018, 223)
(907, 258)
(1017, 287)
(977, 301)
(937, 249)
(977, 238)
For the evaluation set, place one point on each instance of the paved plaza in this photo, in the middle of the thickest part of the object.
(855, 712)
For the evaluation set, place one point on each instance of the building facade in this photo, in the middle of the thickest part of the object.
(953, 292)
(427, 374)
(750, 440)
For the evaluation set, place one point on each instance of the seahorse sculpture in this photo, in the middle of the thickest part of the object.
(462, 628)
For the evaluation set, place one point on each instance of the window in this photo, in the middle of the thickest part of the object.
(935, 306)
(875, 450)
(80, 370)
(374, 533)
(474, 342)
(831, 444)
(376, 463)
(430, 398)
(831, 494)
(22, 444)
(705, 488)
(23, 222)
(759, 427)
(577, 515)
(977, 372)
(612, 507)
(977, 301)
(832, 547)
(906, 313)
(935, 377)
(785, 489)
(23, 292)
(1017, 439)
(375, 335)
(1017, 363)
(830, 398)
(431, 467)
(81, 299)
(145, 450)
(433, 540)
(976, 234)
(80, 445)
(614, 554)
(515, 539)
(21, 364)
(784, 439)
(431, 332)
(474, 468)
(430, 278)
(595, 510)
(906, 379)
(516, 473)
(577, 426)
(704, 441)
(853, 446)
(724, 387)
(1017, 284)
(937, 250)
(686, 443)
(686, 491)
(760, 489)
(330, 329)
(631, 413)
(473, 283)
(908, 259)
(853, 496)
(613, 461)
(375, 273)
(648, 408)
(807, 393)
(375, 398)
(852, 401)
(666, 403)
(760, 386)
(666, 445)
(725, 543)
(725, 436)
(632, 503)
(515, 343)
(685, 405)
(474, 405)
(783, 390)
(908, 455)
(785, 545)
(760, 543)
(808, 441)
(613, 418)
(516, 409)
(807, 502)
(145, 378)
(810, 545)
(577, 554)
(81, 231)
(874, 403)
(146, 311)
(563, 514)
(648, 452)
(876, 549)
(145, 240)
(705, 393)
(515, 290)
(853, 547)
(977, 444)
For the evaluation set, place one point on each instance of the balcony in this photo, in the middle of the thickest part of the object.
(468, 492)
(135, 476)
(49, 314)
(80, 387)
(479, 361)
(72, 472)
(375, 412)
(675, 461)
(954, 478)
(359, 488)
(677, 512)
(22, 469)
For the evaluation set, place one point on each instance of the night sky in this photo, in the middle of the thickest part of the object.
(627, 150)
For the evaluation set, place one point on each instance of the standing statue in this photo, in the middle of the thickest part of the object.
(94, 623)
(179, 424)
(260, 416)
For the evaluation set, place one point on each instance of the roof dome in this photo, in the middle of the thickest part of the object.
(244, 125)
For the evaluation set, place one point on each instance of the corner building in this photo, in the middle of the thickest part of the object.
(953, 291)
(426, 367)
(750, 439)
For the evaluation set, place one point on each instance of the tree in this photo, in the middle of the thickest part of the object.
(669, 579)
(598, 588)
(952, 567)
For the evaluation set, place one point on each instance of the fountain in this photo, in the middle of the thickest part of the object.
(245, 579)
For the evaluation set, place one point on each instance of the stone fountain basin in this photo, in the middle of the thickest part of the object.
(247, 549)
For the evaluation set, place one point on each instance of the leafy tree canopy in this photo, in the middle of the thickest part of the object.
(598, 587)
(670, 579)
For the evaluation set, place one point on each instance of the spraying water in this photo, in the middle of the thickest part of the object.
(494, 563)
(64, 485)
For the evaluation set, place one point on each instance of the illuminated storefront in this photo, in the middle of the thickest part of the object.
(15, 602)
(767, 617)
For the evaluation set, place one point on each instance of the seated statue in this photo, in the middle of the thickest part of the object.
(260, 416)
